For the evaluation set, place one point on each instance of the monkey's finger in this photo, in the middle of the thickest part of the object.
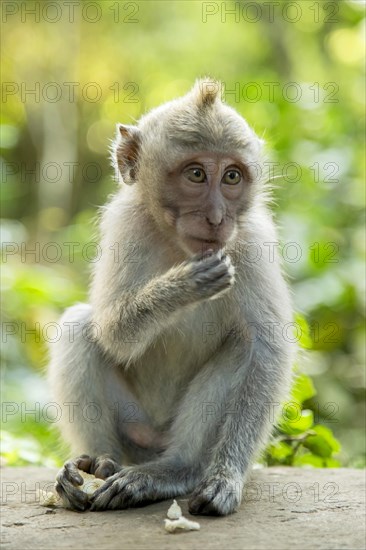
(73, 498)
(103, 489)
(101, 498)
(70, 473)
(203, 256)
(100, 502)
(215, 272)
(206, 264)
(121, 501)
(211, 256)
(84, 463)
(226, 262)
(107, 501)
(106, 469)
(131, 491)
(207, 254)
(70, 496)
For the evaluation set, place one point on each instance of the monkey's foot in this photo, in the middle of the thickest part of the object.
(68, 479)
(217, 495)
(134, 486)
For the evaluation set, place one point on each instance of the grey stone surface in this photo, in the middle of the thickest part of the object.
(283, 508)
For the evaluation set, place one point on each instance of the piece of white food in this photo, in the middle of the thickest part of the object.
(46, 498)
(175, 511)
(181, 524)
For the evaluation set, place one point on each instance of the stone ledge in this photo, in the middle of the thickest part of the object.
(283, 508)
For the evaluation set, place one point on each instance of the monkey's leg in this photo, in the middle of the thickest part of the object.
(245, 429)
(193, 435)
(222, 421)
(77, 375)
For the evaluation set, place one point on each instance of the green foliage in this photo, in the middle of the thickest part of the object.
(40, 449)
(299, 441)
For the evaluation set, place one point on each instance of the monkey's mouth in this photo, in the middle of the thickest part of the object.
(198, 244)
(205, 241)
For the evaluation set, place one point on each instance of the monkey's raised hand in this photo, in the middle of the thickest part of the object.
(68, 479)
(208, 276)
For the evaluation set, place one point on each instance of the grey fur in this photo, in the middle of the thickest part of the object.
(200, 385)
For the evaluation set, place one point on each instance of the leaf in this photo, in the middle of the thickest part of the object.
(308, 459)
(303, 388)
(332, 463)
(280, 450)
(328, 436)
(318, 445)
(322, 443)
(298, 424)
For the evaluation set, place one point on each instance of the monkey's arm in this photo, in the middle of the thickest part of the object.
(130, 320)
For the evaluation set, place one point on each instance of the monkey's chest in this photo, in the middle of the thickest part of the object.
(160, 378)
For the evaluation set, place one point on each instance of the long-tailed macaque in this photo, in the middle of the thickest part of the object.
(170, 377)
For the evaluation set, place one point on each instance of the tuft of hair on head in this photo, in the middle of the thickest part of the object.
(206, 91)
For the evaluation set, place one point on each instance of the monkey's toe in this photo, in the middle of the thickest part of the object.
(215, 497)
(202, 505)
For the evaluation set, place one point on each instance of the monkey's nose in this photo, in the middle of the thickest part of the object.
(215, 220)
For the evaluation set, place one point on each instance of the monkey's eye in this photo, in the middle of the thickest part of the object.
(232, 177)
(197, 175)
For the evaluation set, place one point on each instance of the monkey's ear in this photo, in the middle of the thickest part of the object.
(127, 151)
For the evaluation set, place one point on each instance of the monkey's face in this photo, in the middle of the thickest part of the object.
(203, 198)
(191, 160)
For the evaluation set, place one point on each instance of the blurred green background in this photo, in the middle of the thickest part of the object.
(70, 72)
